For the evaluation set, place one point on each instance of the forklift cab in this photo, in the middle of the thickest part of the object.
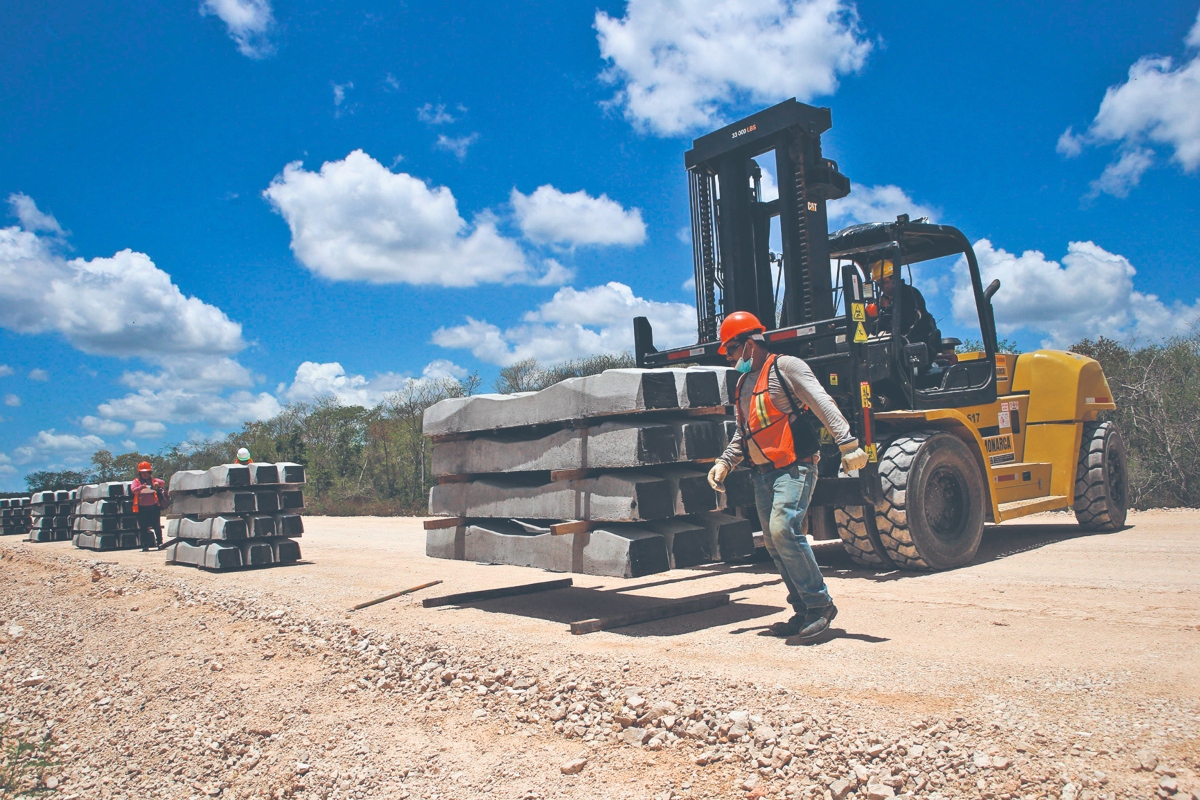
(919, 377)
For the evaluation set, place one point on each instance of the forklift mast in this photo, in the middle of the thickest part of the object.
(731, 223)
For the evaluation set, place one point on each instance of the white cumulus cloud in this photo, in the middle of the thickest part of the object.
(571, 324)
(458, 145)
(5, 370)
(1090, 293)
(11, 400)
(357, 220)
(178, 405)
(32, 218)
(314, 381)
(249, 23)
(105, 427)
(118, 306)
(874, 204)
(39, 375)
(551, 216)
(681, 64)
(1157, 107)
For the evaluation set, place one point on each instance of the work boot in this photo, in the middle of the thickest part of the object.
(816, 622)
(789, 628)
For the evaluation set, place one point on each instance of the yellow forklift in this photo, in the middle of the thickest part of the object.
(956, 439)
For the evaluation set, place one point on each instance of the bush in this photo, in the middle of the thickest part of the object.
(1157, 391)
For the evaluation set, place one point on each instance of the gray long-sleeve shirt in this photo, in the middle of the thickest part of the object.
(804, 387)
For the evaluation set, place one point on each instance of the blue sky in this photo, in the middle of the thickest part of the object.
(210, 209)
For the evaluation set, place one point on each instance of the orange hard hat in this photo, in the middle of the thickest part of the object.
(144, 466)
(736, 324)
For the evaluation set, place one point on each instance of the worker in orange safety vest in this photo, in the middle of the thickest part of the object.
(780, 405)
(149, 497)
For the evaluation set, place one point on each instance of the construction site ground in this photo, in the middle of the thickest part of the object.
(1058, 665)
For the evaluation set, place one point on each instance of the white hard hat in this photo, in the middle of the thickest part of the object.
(243, 454)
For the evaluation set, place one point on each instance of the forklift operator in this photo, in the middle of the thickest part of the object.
(916, 323)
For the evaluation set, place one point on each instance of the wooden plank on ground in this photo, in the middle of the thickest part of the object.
(444, 522)
(688, 606)
(491, 594)
(394, 595)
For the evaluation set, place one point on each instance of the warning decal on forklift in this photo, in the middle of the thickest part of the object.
(860, 333)
(858, 312)
(833, 379)
(872, 455)
(1003, 458)
(1004, 420)
(865, 389)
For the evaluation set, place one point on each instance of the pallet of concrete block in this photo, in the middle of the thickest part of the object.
(233, 516)
(104, 518)
(50, 516)
(603, 475)
(15, 516)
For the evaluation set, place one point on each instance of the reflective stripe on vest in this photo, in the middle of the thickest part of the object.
(767, 426)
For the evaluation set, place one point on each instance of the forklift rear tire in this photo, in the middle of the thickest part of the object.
(1101, 485)
(856, 540)
(934, 501)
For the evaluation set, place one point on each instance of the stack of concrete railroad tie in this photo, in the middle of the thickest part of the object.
(15, 516)
(51, 516)
(233, 516)
(602, 475)
(104, 517)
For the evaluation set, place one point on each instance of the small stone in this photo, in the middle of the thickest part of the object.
(215, 666)
(879, 791)
(668, 721)
(33, 680)
(875, 750)
(302, 768)
(558, 713)
(917, 750)
(1000, 762)
(750, 783)
(635, 735)
(741, 718)
(636, 702)
(573, 767)
(51, 783)
(1069, 792)
(1169, 784)
(982, 760)
(479, 713)
(840, 788)
(1145, 760)
(15, 632)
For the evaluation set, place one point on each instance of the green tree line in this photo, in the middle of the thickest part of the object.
(358, 460)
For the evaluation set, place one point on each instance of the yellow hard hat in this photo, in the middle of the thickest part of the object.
(881, 270)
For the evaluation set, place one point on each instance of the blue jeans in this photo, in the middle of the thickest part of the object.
(782, 497)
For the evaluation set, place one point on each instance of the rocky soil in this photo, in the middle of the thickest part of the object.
(149, 682)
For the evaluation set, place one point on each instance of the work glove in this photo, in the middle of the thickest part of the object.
(854, 457)
(716, 475)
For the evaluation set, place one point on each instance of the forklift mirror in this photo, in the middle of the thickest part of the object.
(991, 290)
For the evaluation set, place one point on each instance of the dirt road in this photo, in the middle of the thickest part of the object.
(1057, 665)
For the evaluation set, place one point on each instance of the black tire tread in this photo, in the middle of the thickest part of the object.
(852, 529)
(1092, 510)
(892, 517)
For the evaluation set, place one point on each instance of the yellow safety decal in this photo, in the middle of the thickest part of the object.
(833, 379)
(872, 456)
(860, 334)
(826, 436)
(865, 389)
(858, 312)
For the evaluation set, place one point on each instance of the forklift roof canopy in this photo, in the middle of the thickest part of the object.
(918, 241)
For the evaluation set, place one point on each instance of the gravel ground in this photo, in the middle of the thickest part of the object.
(1058, 666)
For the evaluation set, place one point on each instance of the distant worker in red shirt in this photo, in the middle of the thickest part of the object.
(149, 497)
